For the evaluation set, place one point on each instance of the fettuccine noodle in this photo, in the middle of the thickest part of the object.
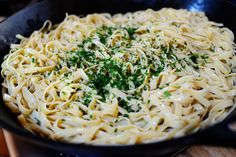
(123, 79)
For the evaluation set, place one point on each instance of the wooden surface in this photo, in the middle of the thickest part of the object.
(3, 147)
(207, 151)
(14, 149)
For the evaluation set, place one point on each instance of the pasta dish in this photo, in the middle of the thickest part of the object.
(122, 79)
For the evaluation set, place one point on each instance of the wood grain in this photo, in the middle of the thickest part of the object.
(17, 148)
(208, 151)
(11, 144)
(3, 147)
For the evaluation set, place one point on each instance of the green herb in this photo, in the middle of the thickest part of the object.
(212, 49)
(47, 74)
(138, 77)
(111, 72)
(106, 71)
(157, 71)
(167, 58)
(73, 60)
(66, 75)
(87, 40)
(126, 115)
(205, 57)
(103, 33)
(178, 70)
(194, 57)
(82, 57)
(166, 93)
(131, 32)
(124, 105)
(129, 97)
(58, 67)
(115, 130)
(102, 38)
(33, 60)
(38, 122)
(198, 58)
(87, 99)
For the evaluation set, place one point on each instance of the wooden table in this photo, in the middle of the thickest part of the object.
(3, 146)
(207, 151)
(12, 148)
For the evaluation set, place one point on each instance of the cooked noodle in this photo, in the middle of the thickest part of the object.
(123, 79)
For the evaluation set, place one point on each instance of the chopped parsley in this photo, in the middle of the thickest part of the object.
(124, 104)
(38, 122)
(126, 115)
(198, 59)
(87, 99)
(131, 32)
(194, 57)
(111, 72)
(78, 58)
(212, 49)
(166, 94)
(106, 71)
(158, 70)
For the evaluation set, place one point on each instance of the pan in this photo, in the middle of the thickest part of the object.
(32, 17)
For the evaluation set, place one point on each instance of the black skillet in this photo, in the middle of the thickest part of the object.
(32, 18)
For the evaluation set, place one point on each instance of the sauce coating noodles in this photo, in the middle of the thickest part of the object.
(123, 79)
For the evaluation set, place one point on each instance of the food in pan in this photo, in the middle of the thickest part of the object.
(123, 79)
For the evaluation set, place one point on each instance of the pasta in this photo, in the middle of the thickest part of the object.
(123, 79)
